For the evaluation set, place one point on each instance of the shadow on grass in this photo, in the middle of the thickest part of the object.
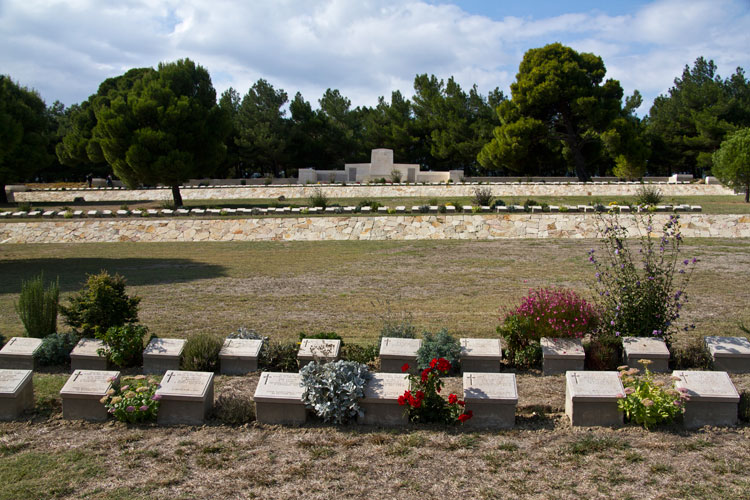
(137, 272)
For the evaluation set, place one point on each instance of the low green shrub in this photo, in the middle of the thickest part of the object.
(523, 350)
(55, 349)
(201, 352)
(648, 195)
(603, 352)
(744, 407)
(646, 402)
(37, 306)
(438, 345)
(135, 400)
(364, 354)
(234, 408)
(483, 196)
(101, 304)
(691, 355)
(318, 198)
(124, 344)
(333, 390)
(279, 357)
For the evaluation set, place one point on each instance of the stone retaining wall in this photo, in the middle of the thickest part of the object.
(369, 191)
(414, 227)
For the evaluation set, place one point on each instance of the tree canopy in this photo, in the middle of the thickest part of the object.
(166, 128)
(731, 163)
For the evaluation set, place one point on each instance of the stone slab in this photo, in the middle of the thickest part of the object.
(278, 399)
(396, 352)
(16, 393)
(161, 355)
(318, 349)
(730, 354)
(562, 355)
(239, 356)
(83, 391)
(652, 349)
(84, 355)
(481, 355)
(492, 397)
(18, 353)
(713, 399)
(380, 401)
(591, 398)
(186, 397)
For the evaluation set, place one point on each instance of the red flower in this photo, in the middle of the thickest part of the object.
(405, 368)
(443, 365)
(401, 400)
(433, 363)
(460, 403)
(452, 399)
(465, 416)
(425, 374)
(420, 395)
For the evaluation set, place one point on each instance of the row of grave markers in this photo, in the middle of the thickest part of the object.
(401, 209)
(187, 397)
(240, 356)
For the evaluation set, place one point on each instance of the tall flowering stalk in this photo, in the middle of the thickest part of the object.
(641, 293)
(423, 402)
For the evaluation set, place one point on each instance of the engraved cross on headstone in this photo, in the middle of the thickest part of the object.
(265, 379)
(471, 379)
(169, 377)
(12, 340)
(575, 377)
(78, 374)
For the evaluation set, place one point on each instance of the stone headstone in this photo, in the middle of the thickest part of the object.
(492, 397)
(481, 355)
(278, 399)
(396, 352)
(713, 398)
(84, 355)
(161, 355)
(239, 356)
(18, 353)
(318, 350)
(186, 397)
(730, 354)
(380, 402)
(83, 391)
(652, 349)
(16, 393)
(591, 398)
(561, 355)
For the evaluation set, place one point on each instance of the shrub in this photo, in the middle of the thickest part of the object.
(55, 349)
(101, 304)
(648, 195)
(234, 408)
(365, 354)
(201, 352)
(374, 205)
(438, 345)
(529, 203)
(603, 352)
(322, 335)
(646, 402)
(318, 198)
(425, 405)
(498, 203)
(396, 324)
(523, 350)
(691, 355)
(640, 294)
(37, 306)
(135, 401)
(124, 344)
(333, 390)
(744, 406)
(247, 334)
(558, 313)
(483, 196)
(280, 357)
(395, 176)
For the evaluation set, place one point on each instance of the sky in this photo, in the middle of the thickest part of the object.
(365, 48)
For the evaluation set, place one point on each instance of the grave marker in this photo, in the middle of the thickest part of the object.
(380, 401)
(481, 355)
(18, 353)
(278, 399)
(186, 397)
(239, 356)
(713, 398)
(561, 355)
(492, 397)
(82, 393)
(16, 393)
(652, 349)
(318, 350)
(730, 354)
(396, 352)
(84, 355)
(591, 398)
(161, 355)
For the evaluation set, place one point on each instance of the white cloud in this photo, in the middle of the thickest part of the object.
(365, 49)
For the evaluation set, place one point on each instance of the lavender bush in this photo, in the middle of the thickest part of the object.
(641, 293)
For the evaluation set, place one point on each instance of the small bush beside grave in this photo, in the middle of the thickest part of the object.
(646, 401)
(201, 353)
(333, 390)
(37, 306)
(423, 402)
(55, 349)
(133, 400)
(124, 344)
(438, 345)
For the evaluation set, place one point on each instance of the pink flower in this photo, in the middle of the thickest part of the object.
(130, 409)
(143, 408)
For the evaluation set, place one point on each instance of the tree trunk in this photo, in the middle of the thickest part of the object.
(3, 195)
(747, 193)
(574, 143)
(177, 196)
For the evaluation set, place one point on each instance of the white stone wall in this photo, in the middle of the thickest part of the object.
(412, 227)
(371, 191)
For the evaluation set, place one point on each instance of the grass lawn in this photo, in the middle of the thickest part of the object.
(280, 289)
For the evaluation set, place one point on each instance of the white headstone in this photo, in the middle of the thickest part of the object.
(562, 348)
(88, 348)
(707, 386)
(645, 346)
(481, 348)
(89, 383)
(279, 388)
(490, 387)
(398, 347)
(384, 387)
(11, 381)
(733, 347)
(594, 386)
(184, 385)
(164, 347)
(319, 348)
(241, 348)
(22, 346)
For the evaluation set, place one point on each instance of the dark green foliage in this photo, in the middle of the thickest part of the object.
(438, 345)
(318, 198)
(483, 196)
(731, 163)
(603, 352)
(234, 408)
(592, 444)
(374, 205)
(101, 304)
(523, 350)
(125, 344)
(2, 340)
(37, 306)
(744, 406)
(691, 355)
(322, 335)
(279, 357)
(648, 195)
(364, 354)
(201, 352)
(55, 349)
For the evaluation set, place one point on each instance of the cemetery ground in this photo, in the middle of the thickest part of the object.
(281, 289)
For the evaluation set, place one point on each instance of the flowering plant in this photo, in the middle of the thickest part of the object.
(136, 401)
(646, 401)
(558, 313)
(641, 294)
(424, 403)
